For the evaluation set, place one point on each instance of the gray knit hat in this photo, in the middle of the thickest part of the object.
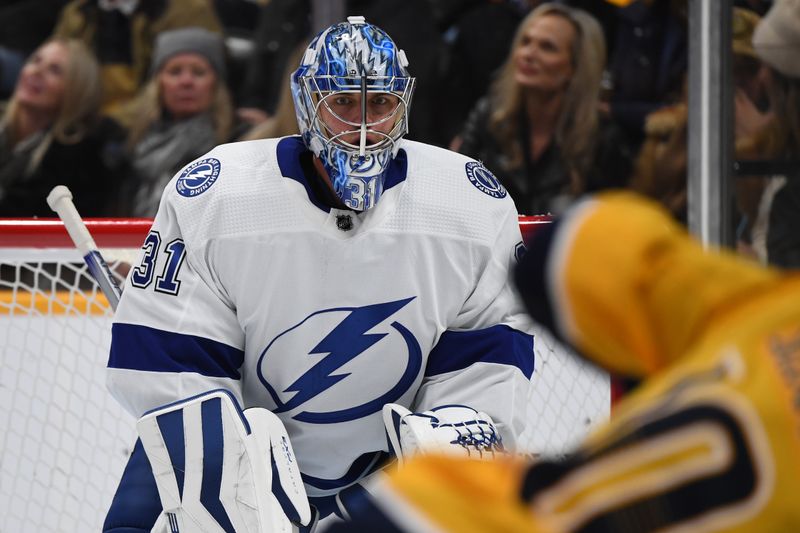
(196, 40)
(777, 38)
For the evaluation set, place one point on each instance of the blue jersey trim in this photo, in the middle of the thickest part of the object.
(288, 153)
(135, 347)
(290, 149)
(397, 171)
(456, 350)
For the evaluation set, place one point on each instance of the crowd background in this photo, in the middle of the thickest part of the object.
(558, 99)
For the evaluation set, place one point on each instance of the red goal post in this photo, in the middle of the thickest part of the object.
(113, 234)
(126, 232)
(65, 441)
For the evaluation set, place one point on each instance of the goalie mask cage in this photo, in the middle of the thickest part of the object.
(64, 441)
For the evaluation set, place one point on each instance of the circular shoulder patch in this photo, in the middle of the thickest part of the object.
(198, 177)
(484, 180)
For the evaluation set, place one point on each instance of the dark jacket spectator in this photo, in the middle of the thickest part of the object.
(282, 26)
(548, 184)
(648, 61)
(477, 44)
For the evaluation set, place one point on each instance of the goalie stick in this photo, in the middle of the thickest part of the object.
(60, 201)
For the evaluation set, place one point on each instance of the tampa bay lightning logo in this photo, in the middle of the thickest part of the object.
(198, 177)
(346, 343)
(484, 180)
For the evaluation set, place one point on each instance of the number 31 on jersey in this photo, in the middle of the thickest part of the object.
(173, 253)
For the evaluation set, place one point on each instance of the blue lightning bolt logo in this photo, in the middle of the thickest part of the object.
(198, 177)
(344, 343)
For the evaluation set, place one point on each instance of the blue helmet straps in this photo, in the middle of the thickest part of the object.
(352, 93)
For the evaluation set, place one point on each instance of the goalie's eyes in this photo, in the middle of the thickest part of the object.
(342, 101)
(349, 105)
(384, 100)
(345, 99)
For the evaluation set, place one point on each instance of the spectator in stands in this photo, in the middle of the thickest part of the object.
(751, 102)
(469, 63)
(661, 166)
(752, 114)
(122, 32)
(282, 26)
(51, 133)
(284, 121)
(648, 61)
(776, 238)
(539, 129)
(183, 111)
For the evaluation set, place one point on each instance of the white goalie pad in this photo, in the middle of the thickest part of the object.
(450, 429)
(221, 469)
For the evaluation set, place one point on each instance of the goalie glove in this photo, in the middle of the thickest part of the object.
(450, 429)
(221, 469)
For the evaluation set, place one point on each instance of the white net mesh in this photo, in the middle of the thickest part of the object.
(64, 441)
(570, 397)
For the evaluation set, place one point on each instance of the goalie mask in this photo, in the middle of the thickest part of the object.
(352, 93)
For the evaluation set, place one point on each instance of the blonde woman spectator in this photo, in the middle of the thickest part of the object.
(184, 110)
(539, 127)
(50, 133)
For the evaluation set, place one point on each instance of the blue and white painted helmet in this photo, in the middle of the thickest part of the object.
(353, 76)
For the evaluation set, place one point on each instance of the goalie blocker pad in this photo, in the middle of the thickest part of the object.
(449, 429)
(218, 468)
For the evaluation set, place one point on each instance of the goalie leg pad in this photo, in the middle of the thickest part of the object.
(218, 468)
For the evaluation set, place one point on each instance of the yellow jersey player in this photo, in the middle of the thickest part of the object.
(711, 439)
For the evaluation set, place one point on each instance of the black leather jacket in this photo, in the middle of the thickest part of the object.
(543, 186)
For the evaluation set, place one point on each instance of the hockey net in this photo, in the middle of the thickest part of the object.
(64, 441)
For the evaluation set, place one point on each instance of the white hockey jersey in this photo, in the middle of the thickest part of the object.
(248, 282)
